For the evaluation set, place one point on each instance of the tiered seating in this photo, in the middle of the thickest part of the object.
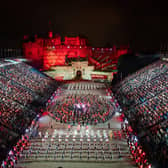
(152, 111)
(19, 85)
(96, 144)
(24, 83)
(13, 115)
(145, 74)
(144, 92)
(28, 77)
(144, 98)
(23, 90)
(149, 100)
(19, 94)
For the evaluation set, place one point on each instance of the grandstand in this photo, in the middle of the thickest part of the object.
(78, 123)
(23, 91)
(143, 97)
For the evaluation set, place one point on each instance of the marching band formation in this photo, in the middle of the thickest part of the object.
(97, 105)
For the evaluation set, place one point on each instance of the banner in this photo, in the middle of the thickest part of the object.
(95, 76)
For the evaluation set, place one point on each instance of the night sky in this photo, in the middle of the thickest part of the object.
(142, 24)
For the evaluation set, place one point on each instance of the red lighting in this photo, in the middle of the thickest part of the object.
(50, 34)
(52, 52)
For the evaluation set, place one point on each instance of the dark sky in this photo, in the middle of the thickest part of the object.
(142, 24)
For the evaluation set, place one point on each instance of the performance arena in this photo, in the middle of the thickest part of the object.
(82, 123)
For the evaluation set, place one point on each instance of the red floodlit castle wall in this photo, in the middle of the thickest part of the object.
(57, 56)
(52, 52)
(107, 58)
(34, 51)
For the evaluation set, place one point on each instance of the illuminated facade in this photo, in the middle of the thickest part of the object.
(63, 60)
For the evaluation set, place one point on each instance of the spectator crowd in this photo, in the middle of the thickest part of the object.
(20, 86)
(143, 97)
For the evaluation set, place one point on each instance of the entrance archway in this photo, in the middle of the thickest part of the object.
(78, 75)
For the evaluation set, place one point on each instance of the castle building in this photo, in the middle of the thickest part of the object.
(72, 58)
